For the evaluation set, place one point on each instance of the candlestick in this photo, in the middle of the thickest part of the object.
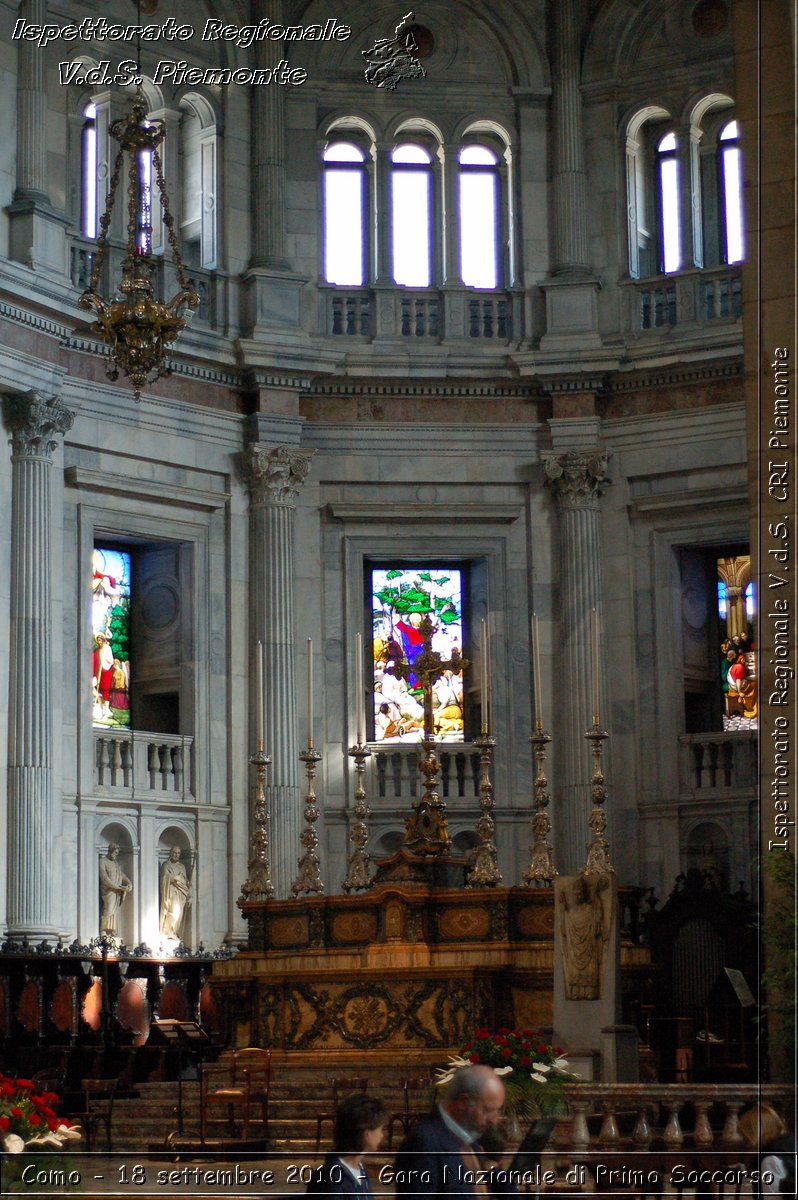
(357, 873)
(310, 693)
(484, 682)
(308, 879)
(485, 871)
(360, 721)
(259, 726)
(541, 870)
(258, 884)
(594, 663)
(536, 672)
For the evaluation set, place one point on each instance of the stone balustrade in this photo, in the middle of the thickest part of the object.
(717, 762)
(697, 297)
(142, 765)
(648, 1116)
(394, 774)
(429, 315)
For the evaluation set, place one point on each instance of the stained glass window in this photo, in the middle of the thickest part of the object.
(400, 598)
(110, 612)
(738, 656)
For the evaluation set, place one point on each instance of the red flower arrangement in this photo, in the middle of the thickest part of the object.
(28, 1118)
(534, 1071)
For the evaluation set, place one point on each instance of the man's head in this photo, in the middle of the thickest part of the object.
(474, 1098)
(113, 850)
(175, 853)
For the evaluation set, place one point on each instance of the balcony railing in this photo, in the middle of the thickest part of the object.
(689, 298)
(142, 765)
(669, 1115)
(429, 315)
(395, 774)
(717, 763)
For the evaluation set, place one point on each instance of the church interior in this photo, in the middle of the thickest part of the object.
(413, 574)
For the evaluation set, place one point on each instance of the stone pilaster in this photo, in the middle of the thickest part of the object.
(31, 110)
(272, 292)
(570, 189)
(274, 477)
(36, 235)
(571, 304)
(576, 479)
(268, 139)
(34, 807)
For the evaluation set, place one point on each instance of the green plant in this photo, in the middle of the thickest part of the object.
(778, 933)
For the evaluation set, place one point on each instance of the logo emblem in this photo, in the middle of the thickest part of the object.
(392, 59)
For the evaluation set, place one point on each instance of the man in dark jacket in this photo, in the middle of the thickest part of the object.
(438, 1156)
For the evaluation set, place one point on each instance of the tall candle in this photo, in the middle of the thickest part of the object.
(310, 693)
(359, 717)
(536, 670)
(485, 685)
(594, 662)
(259, 731)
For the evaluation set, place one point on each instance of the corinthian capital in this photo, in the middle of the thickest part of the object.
(577, 478)
(274, 476)
(33, 420)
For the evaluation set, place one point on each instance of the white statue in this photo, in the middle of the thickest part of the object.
(175, 895)
(114, 886)
(586, 918)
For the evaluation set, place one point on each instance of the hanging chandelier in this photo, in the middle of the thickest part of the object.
(133, 323)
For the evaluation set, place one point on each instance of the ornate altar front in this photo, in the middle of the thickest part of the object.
(405, 969)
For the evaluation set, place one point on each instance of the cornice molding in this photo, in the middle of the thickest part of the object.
(163, 493)
(424, 513)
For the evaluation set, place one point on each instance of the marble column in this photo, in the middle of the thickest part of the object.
(272, 291)
(571, 289)
(31, 109)
(570, 188)
(34, 807)
(268, 140)
(576, 479)
(274, 477)
(36, 235)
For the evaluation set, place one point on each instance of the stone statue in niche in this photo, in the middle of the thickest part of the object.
(586, 916)
(114, 886)
(175, 895)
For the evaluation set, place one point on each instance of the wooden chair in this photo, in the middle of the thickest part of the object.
(98, 1109)
(240, 1082)
(416, 1102)
(339, 1088)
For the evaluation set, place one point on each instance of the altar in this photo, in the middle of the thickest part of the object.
(401, 970)
(429, 947)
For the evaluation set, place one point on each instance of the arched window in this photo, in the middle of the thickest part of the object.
(345, 197)
(411, 215)
(199, 206)
(730, 159)
(668, 203)
(144, 212)
(88, 172)
(478, 179)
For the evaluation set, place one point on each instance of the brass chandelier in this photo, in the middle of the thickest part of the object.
(134, 324)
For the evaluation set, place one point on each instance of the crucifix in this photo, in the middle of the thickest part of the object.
(428, 667)
(426, 831)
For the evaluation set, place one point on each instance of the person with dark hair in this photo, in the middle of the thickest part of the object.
(437, 1157)
(359, 1129)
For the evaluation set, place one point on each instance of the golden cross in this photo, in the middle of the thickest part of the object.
(428, 667)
